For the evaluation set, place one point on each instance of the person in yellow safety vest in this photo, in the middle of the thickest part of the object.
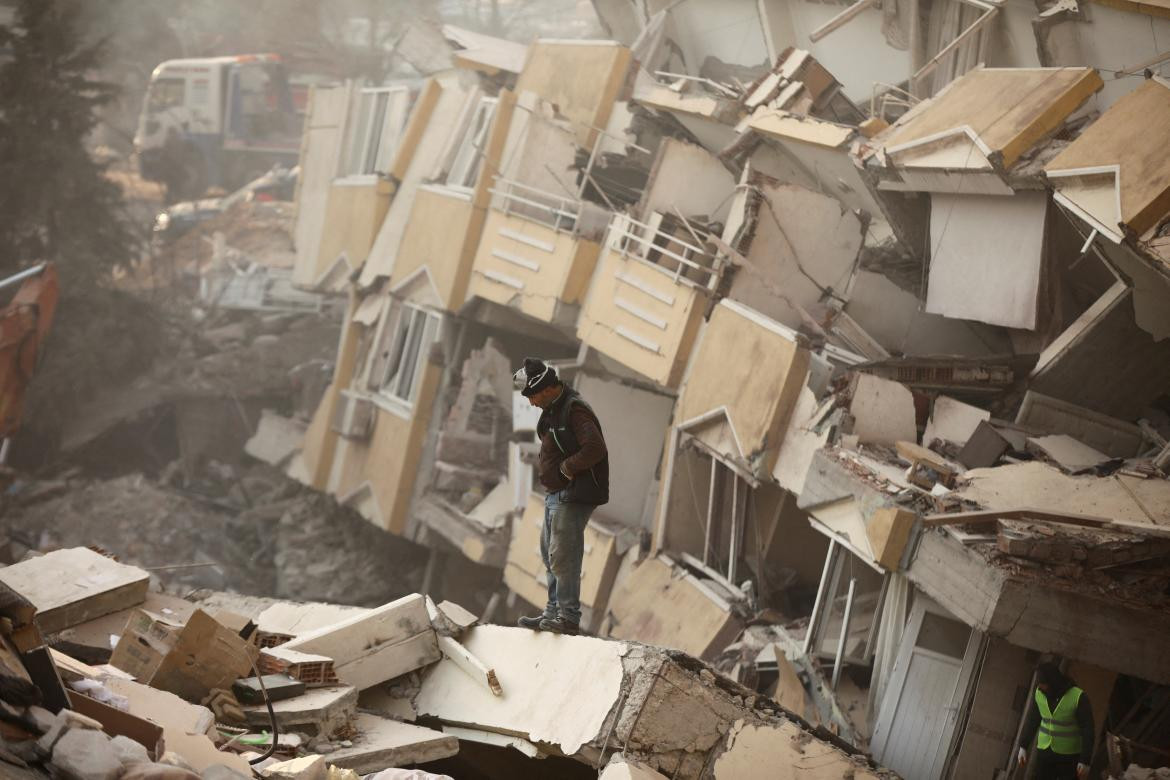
(1062, 723)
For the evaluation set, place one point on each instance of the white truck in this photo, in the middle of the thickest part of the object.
(217, 122)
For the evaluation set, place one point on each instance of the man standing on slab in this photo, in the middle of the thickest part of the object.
(573, 467)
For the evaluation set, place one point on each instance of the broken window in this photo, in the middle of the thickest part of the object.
(407, 334)
(843, 626)
(465, 156)
(376, 126)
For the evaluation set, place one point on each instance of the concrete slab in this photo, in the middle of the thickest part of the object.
(386, 642)
(953, 421)
(382, 744)
(73, 586)
(287, 619)
(1068, 453)
(883, 411)
(320, 711)
(559, 689)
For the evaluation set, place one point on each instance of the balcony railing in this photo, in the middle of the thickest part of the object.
(556, 211)
(684, 262)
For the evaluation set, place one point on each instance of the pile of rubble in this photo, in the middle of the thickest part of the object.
(247, 529)
(105, 679)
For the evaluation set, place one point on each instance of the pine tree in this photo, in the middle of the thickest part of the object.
(55, 200)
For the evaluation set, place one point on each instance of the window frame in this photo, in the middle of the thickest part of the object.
(408, 332)
(463, 159)
(370, 141)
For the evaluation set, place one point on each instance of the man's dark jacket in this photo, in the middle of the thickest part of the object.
(571, 439)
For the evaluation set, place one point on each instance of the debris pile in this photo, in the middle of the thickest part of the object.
(292, 689)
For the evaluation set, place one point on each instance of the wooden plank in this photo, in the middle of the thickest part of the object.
(1023, 513)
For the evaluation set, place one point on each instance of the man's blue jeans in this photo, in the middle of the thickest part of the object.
(562, 546)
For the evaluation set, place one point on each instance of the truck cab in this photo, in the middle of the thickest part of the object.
(216, 122)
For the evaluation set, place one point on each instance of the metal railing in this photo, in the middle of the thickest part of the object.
(557, 211)
(682, 261)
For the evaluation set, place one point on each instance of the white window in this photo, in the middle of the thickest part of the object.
(406, 338)
(376, 126)
(465, 158)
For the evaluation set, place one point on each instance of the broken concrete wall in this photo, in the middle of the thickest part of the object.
(688, 180)
(800, 253)
(669, 712)
(540, 151)
(1104, 361)
(472, 446)
(582, 78)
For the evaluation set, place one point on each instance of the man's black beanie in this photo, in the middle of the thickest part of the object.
(535, 376)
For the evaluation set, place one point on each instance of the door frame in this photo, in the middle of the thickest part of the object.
(894, 690)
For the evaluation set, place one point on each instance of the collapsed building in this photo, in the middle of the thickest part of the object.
(871, 302)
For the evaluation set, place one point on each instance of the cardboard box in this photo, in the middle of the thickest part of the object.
(145, 641)
(187, 660)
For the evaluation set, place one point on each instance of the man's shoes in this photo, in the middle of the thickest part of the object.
(531, 622)
(559, 625)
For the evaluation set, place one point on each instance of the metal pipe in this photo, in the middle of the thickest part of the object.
(20, 276)
(839, 662)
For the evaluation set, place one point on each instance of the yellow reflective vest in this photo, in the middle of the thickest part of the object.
(1059, 731)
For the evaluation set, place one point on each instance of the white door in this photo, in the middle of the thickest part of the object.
(917, 716)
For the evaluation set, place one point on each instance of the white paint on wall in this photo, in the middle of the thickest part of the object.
(690, 179)
(986, 254)
(895, 318)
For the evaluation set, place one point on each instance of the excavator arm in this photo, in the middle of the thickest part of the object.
(24, 326)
